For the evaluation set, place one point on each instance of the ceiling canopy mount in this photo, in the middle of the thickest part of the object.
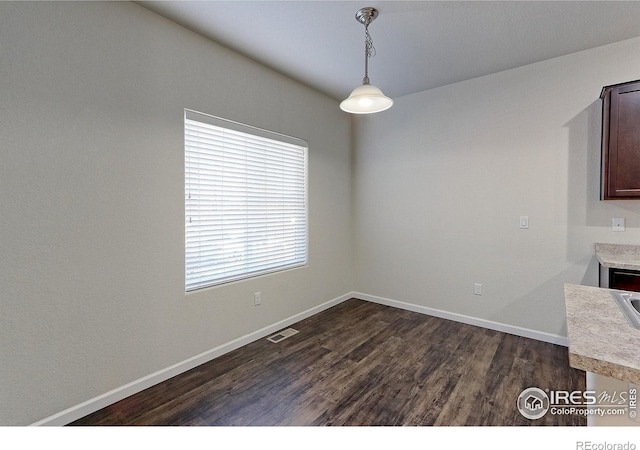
(366, 15)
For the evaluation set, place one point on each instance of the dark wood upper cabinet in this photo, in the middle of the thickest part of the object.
(621, 141)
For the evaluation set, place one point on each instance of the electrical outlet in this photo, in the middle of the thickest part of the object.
(257, 299)
(477, 289)
(618, 223)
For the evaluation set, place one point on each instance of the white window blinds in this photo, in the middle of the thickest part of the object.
(245, 201)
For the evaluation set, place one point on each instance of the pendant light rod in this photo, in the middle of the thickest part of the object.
(365, 16)
(365, 80)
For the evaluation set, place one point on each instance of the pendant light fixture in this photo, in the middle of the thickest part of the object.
(366, 99)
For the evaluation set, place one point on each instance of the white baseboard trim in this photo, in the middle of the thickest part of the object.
(497, 326)
(122, 392)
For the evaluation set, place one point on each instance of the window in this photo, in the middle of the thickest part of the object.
(245, 201)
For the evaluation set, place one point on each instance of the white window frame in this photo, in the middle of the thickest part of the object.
(246, 201)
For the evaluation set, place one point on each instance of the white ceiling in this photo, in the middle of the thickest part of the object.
(420, 44)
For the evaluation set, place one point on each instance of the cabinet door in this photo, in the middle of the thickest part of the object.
(627, 280)
(621, 142)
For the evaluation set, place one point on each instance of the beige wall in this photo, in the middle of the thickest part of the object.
(91, 205)
(441, 180)
(422, 200)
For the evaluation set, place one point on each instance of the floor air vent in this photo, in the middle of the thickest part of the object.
(282, 335)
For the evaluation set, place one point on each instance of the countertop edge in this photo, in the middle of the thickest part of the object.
(618, 256)
(606, 368)
(599, 338)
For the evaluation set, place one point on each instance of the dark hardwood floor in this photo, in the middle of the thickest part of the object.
(360, 363)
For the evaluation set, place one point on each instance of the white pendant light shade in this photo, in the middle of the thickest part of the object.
(366, 99)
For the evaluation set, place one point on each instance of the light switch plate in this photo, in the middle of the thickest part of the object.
(524, 222)
(618, 223)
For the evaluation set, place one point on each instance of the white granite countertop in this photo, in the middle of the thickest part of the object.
(619, 256)
(600, 338)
